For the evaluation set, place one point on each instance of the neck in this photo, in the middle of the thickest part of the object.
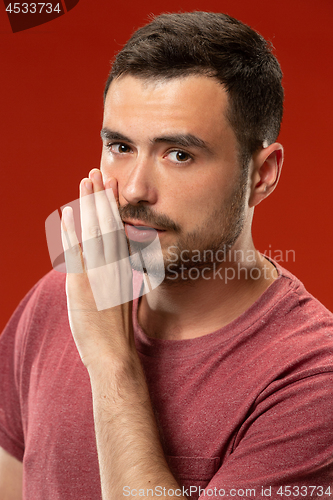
(193, 308)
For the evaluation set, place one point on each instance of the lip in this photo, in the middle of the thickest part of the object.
(138, 223)
(145, 234)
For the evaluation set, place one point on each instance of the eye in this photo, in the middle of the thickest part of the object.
(118, 147)
(179, 156)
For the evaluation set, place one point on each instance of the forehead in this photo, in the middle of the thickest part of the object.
(194, 104)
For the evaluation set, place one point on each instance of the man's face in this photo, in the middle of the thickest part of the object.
(175, 158)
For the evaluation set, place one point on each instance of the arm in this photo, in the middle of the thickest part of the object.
(10, 477)
(129, 450)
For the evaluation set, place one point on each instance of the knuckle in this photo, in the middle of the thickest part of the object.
(76, 250)
(95, 232)
(110, 223)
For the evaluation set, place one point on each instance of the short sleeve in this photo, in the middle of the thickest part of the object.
(11, 347)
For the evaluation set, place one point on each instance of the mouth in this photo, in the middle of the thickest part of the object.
(137, 231)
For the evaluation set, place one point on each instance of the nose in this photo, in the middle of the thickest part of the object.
(139, 186)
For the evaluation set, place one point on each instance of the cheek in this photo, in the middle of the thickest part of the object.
(200, 199)
(104, 167)
(192, 202)
(108, 168)
(200, 193)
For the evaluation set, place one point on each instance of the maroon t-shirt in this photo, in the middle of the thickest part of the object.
(245, 411)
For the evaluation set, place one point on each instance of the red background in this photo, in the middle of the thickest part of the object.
(51, 112)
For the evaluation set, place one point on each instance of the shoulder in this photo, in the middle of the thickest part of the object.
(43, 305)
(297, 328)
(297, 304)
(47, 297)
(51, 287)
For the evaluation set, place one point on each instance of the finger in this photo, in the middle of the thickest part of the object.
(111, 189)
(92, 240)
(122, 240)
(113, 234)
(115, 244)
(70, 242)
(106, 206)
(95, 175)
(111, 183)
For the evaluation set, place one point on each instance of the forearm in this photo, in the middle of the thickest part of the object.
(129, 449)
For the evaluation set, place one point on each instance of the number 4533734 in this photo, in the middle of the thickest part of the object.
(32, 8)
(304, 491)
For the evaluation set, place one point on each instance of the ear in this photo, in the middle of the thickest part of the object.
(266, 170)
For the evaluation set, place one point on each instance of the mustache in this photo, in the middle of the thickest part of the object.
(147, 216)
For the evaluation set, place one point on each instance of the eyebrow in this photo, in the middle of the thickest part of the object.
(183, 140)
(110, 135)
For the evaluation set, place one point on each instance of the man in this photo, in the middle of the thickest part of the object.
(219, 381)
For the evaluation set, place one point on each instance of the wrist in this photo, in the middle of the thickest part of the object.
(120, 379)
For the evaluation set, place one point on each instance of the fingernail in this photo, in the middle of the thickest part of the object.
(95, 174)
(88, 185)
(66, 217)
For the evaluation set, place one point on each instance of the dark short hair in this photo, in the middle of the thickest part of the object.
(219, 46)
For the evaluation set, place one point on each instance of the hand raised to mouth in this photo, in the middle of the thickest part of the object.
(99, 279)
